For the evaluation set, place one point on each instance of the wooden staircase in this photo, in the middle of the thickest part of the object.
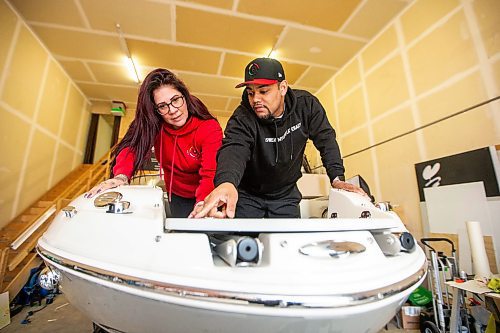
(16, 264)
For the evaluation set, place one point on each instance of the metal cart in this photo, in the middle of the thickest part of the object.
(448, 307)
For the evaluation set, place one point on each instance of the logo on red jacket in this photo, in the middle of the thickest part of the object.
(193, 152)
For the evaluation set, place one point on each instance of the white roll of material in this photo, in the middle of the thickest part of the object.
(480, 264)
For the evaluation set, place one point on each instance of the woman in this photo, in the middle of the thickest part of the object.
(185, 137)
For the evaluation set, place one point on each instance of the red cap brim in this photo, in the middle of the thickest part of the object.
(257, 81)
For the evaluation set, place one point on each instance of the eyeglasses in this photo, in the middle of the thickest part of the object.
(164, 108)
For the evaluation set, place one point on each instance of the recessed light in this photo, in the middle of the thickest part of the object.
(315, 49)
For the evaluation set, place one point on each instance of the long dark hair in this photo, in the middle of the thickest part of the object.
(146, 126)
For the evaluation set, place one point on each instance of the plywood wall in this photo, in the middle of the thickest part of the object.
(44, 117)
(393, 104)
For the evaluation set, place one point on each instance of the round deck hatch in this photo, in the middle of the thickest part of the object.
(107, 198)
(331, 248)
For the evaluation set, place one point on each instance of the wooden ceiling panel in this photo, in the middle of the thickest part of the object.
(225, 4)
(206, 42)
(318, 48)
(135, 17)
(109, 93)
(213, 103)
(174, 57)
(293, 71)
(234, 65)
(76, 70)
(80, 45)
(223, 31)
(372, 17)
(315, 77)
(325, 14)
(50, 11)
(112, 74)
(210, 85)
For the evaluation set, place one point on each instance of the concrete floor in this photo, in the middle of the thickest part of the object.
(58, 317)
(62, 317)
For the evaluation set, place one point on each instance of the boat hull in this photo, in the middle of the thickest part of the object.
(137, 271)
(122, 309)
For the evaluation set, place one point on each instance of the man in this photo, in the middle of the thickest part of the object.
(260, 160)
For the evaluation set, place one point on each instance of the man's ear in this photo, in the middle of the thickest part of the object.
(283, 87)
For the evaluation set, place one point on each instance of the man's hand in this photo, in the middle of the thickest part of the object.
(220, 203)
(348, 187)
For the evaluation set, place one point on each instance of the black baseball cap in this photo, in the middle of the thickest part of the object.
(263, 71)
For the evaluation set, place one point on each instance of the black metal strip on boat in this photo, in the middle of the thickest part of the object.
(281, 301)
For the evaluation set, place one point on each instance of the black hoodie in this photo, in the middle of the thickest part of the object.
(264, 156)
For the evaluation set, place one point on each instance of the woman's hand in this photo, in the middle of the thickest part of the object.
(118, 180)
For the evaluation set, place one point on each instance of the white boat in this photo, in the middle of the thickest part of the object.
(131, 269)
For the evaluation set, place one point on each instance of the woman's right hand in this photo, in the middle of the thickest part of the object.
(106, 185)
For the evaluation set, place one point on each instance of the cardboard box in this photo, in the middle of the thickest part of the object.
(493, 305)
(410, 317)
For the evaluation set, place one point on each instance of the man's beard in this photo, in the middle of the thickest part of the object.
(269, 115)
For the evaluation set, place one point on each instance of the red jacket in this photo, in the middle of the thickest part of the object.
(186, 155)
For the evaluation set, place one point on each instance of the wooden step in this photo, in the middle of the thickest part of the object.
(5, 241)
(43, 203)
(9, 235)
(15, 265)
(36, 210)
(50, 197)
(28, 218)
(14, 281)
(17, 223)
(63, 203)
(17, 256)
(54, 194)
(15, 229)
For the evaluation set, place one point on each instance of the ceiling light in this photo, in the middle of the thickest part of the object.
(132, 72)
(273, 54)
(129, 61)
(315, 49)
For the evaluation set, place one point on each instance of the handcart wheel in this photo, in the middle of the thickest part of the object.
(429, 327)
